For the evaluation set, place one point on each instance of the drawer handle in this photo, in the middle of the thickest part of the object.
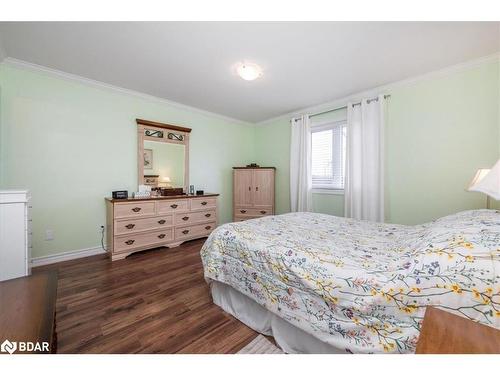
(204, 203)
(208, 227)
(129, 226)
(161, 221)
(262, 212)
(185, 218)
(257, 188)
(136, 209)
(243, 211)
(185, 231)
(174, 206)
(161, 235)
(129, 242)
(249, 188)
(208, 215)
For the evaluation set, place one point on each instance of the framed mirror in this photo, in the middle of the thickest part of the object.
(163, 156)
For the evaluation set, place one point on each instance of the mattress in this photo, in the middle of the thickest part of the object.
(361, 287)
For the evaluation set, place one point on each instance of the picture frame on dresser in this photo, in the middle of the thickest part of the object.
(148, 158)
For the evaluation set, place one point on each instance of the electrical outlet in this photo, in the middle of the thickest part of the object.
(49, 235)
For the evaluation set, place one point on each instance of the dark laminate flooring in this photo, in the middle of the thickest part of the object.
(151, 302)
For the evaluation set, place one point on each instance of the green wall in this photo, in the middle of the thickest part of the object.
(438, 132)
(71, 144)
(272, 143)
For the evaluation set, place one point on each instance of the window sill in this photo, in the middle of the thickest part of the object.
(328, 191)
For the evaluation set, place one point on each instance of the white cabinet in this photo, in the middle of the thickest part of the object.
(15, 234)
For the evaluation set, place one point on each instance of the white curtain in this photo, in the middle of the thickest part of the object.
(364, 186)
(300, 165)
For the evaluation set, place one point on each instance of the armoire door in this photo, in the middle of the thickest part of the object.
(263, 183)
(243, 188)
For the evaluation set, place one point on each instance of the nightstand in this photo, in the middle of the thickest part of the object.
(446, 333)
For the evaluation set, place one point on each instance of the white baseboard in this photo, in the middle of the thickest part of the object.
(67, 255)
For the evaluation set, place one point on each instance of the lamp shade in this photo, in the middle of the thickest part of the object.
(478, 177)
(487, 181)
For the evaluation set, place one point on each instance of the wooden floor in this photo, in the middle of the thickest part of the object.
(151, 302)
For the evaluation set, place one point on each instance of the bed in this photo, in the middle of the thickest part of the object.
(325, 284)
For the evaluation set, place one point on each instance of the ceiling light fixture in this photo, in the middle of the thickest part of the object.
(249, 71)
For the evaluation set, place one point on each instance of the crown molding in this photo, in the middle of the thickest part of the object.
(386, 88)
(16, 63)
(9, 61)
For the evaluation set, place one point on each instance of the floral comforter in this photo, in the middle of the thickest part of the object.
(362, 286)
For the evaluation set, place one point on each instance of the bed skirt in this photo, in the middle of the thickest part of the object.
(288, 337)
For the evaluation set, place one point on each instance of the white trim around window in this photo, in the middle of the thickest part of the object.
(328, 157)
(328, 191)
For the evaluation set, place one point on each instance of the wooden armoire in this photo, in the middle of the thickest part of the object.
(253, 192)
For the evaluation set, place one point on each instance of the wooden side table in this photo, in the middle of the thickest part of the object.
(446, 333)
(27, 313)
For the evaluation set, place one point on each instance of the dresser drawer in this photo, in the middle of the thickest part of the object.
(202, 203)
(194, 217)
(243, 218)
(253, 211)
(194, 231)
(134, 209)
(171, 206)
(132, 241)
(138, 225)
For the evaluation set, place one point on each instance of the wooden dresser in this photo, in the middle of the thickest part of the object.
(253, 192)
(145, 223)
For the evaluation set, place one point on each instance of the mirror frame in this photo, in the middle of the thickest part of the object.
(169, 134)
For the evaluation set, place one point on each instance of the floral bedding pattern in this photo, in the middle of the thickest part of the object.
(362, 286)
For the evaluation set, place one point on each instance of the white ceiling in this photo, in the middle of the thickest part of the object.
(304, 64)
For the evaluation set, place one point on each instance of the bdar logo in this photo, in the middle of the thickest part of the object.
(9, 347)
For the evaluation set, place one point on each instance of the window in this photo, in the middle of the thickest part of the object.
(328, 155)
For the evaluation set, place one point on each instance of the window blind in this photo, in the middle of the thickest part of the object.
(328, 155)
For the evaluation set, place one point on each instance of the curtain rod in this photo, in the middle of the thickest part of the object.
(345, 106)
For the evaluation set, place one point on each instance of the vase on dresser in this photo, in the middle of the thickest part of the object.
(253, 192)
